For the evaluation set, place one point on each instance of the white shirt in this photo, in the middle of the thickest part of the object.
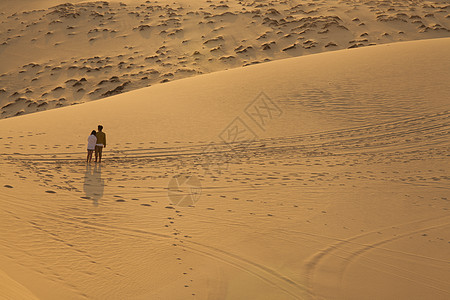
(92, 140)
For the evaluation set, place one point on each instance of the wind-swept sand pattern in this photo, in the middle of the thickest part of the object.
(342, 194)
(85, 51)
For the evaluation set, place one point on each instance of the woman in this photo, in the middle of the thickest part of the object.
(92, 141)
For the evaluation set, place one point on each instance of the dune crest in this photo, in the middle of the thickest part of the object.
(148, 43)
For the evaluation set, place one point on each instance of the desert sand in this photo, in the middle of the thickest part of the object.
(314, 174)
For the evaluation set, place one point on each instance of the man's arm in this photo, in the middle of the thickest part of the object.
(105, 141)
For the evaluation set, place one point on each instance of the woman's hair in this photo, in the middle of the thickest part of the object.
(93, 132)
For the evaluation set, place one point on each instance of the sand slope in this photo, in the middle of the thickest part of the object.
(10, 289)
(58, 55)
(342, 192)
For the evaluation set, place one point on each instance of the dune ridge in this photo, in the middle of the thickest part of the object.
(90, 50)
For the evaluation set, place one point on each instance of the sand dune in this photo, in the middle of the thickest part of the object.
(338, 190)
(146, 43)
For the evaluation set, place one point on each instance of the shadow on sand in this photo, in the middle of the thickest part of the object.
(93, 183)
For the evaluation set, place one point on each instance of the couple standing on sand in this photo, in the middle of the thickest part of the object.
(96, 142)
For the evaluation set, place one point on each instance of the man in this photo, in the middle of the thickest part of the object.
(101, 143)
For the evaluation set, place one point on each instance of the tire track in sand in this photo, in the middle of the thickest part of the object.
(347, 251)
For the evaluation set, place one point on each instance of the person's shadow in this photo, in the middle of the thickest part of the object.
(93, 183)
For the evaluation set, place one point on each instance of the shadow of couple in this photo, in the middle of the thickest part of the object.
(94, 184)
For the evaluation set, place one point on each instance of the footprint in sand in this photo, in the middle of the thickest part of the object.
(8, 186)
(50, 192)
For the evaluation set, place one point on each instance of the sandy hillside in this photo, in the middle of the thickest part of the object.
(336, 186)
(56, 54)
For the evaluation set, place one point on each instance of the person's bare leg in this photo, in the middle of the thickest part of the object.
(88, 154)
(96, 153)
(100, 149)
(89, 157)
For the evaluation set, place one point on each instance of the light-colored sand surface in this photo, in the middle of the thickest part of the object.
(342, 192)
(11, 289)
(56, 54)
